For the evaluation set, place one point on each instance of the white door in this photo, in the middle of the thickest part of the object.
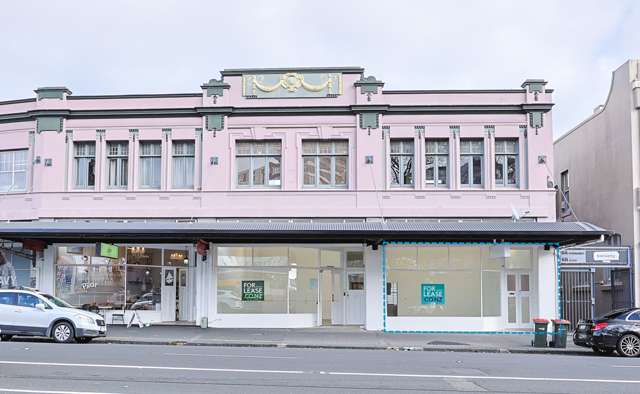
(337, 297)
(169, 282)
(354, 298)
(183, 299)
(518, 298)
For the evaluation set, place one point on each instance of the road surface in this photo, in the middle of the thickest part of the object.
(36, 367)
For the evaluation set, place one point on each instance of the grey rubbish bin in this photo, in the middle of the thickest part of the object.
(560, 328)
(540, 332)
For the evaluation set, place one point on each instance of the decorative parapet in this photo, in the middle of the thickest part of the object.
(52, 92)
(304, 84)
(368, 85)
(215, 88)
(535, 86)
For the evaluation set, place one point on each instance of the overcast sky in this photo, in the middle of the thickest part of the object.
(162, 46)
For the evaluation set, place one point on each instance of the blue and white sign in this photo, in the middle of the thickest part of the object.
(432, 293)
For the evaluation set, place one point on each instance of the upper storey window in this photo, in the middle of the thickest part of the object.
(471, 159)
(84, 155)
(117, 164)
(13, 170)
(507, 166)
(437, 162)
(402, 162)
(183, 164)
(325, 163)
(258, 163)
(150, 164)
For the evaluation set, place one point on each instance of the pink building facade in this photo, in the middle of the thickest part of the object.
(305, 172)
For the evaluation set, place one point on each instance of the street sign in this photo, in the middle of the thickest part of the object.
(106, 250)
(596, 257)
(252, 290)
(432, 293)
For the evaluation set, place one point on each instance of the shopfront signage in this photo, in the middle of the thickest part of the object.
(106, 250)
(252, 290)
(432, 293)
(595, 257)
(169, 277)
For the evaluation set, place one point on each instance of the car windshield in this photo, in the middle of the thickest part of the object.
(56, 301)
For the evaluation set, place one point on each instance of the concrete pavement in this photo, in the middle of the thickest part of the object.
(37, 367)
(348, 337)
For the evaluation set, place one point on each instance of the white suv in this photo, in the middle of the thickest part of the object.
(32, 313)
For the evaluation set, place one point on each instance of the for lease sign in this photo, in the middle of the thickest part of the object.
(252, 290)
(432, 293)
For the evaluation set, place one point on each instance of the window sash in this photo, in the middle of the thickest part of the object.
(85, 165)
(13, 170)
(471, 170)
(505, 162)
(402, 162)
(437, 170)
(325, 163)
(258, 163)
(183, 169)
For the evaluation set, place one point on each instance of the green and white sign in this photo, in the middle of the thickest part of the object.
(252, 290)
(106, 250)
(432, 293)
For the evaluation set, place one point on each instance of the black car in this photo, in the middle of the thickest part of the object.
(618, 330)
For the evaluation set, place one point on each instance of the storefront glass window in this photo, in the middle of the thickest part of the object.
(267, 279)
(16, 270)
(460, 281)
(131, 281)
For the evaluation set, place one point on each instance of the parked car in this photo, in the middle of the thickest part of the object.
(618, 330)
(28, 312)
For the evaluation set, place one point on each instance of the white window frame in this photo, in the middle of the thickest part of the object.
(403, 157)
(120, 157)
(184, 155)
(254, 153)
(469, 153)
(316, 155)
(150, 157)
(16, 165)
(502, 156)
(82, 158)
(437, 155)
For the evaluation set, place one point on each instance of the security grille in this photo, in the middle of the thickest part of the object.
(576, 295)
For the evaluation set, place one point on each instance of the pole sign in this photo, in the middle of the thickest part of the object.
(432, 293)
(596, 257)
(106, 250)
(252, 290)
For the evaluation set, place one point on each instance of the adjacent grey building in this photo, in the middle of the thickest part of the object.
(597, 170)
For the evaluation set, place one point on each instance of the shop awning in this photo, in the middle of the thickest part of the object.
(564, 233)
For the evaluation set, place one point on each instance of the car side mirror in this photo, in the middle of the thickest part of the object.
(40, 307)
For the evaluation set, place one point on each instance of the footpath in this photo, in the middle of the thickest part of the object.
(332, 338)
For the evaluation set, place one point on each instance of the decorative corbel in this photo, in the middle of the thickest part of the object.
(369, 120)
(214, 122)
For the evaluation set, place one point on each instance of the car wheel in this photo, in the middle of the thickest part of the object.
(84, 339)
(5, 337)
(62, 332)
(629, 345)
(603, 352)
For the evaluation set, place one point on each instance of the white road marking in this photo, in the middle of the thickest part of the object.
(463, 385)
(625, 366)
(225, 355)
(5, 390)
(483, 377)
(151, 367)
